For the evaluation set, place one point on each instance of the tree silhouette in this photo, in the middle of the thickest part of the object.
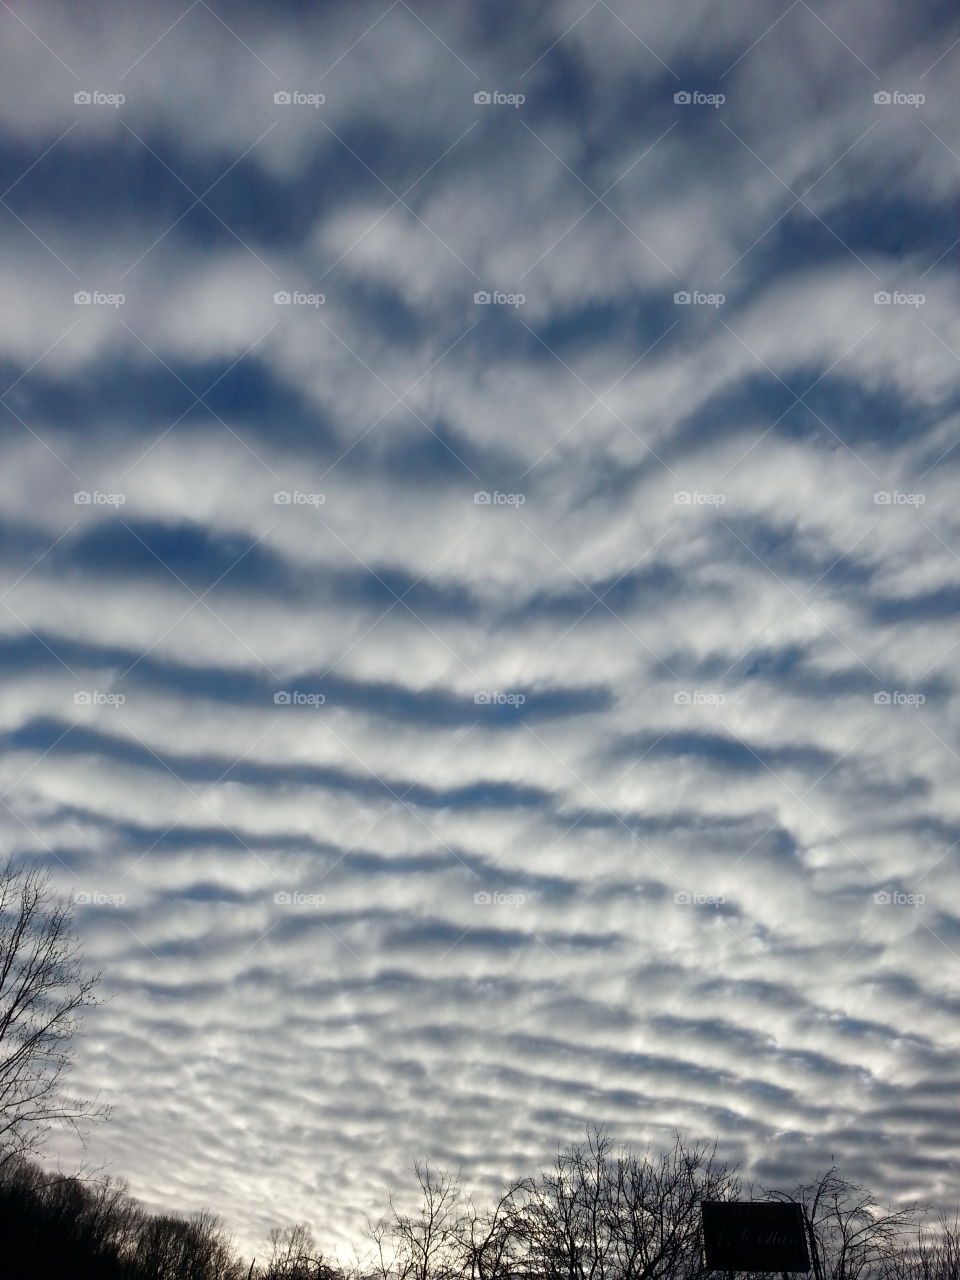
(854, 1237)
(601, 1215)
(43, 994)
(595, 1214)
(294, 1256)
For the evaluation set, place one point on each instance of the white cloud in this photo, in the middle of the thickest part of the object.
(316, 1043)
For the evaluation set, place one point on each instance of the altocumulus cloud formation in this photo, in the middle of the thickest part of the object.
(480, 585)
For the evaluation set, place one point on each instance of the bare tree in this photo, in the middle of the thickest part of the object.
(294, 1255)
(43, 993)
(600, 1215)
(936, 1255)
(595, 1214)
(853, 1235)
(429, 1245)
(564, 1215)
(493, 1242)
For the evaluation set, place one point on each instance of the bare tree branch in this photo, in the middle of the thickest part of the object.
(44, 992)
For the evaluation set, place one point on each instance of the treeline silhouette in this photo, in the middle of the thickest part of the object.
(595, 1214)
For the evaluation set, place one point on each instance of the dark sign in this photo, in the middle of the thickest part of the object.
(754, 1236)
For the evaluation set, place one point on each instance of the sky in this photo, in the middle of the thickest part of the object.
(480, 583)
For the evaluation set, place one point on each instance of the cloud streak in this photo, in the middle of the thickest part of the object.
(496, 716)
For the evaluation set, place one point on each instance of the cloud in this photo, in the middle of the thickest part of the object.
(495, 716)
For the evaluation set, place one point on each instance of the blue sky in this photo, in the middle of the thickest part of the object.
(480, 582)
